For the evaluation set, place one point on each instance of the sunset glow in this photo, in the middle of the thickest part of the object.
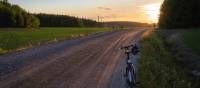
(152, 11)
(109, 10)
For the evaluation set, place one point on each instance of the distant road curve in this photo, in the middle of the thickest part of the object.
(87, 62)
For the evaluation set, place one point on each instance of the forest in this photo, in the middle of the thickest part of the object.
(13, 16)
(51, 20)
(180, 14)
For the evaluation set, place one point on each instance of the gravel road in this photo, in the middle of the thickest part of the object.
(94, 61)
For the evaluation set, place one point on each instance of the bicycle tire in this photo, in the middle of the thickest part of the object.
(131, 78)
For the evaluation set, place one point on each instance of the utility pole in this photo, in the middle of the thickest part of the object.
(98, 19)
(102, 19)
(102, 22)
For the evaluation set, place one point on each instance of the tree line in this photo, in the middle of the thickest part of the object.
(51, 20)
(180, 14)
(15, 16)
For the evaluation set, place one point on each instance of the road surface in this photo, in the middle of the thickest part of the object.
(90, 62)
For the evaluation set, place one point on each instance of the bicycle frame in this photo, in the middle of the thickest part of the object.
(130, 72)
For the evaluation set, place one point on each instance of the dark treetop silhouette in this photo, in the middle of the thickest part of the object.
(180, 14)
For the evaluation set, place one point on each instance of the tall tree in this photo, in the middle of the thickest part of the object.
(7, 17)
(180, 14)
(15, 16)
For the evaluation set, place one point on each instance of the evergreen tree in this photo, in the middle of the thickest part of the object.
(180, 14)
(15, 16)
(50, 20)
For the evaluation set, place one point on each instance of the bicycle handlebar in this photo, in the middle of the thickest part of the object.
(127, 47)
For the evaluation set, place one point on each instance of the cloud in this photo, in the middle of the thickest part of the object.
(104, 8)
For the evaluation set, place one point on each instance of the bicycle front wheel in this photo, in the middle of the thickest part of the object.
(131, 78)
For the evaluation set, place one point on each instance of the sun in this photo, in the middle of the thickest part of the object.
(152, 11)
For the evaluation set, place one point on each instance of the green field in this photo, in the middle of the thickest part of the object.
(192, 39)
(18, 39)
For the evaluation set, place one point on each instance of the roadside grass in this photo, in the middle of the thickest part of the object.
(157, 68)
(192, 40)
(15, 39)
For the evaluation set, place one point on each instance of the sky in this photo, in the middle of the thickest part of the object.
(109, 10)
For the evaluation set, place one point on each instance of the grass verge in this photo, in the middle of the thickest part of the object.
(192, 40)
(157, 68)
(12, 40)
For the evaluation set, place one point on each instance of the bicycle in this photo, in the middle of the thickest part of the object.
(130, 71)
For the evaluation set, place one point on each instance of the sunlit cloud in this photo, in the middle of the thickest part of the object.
(104, 8)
